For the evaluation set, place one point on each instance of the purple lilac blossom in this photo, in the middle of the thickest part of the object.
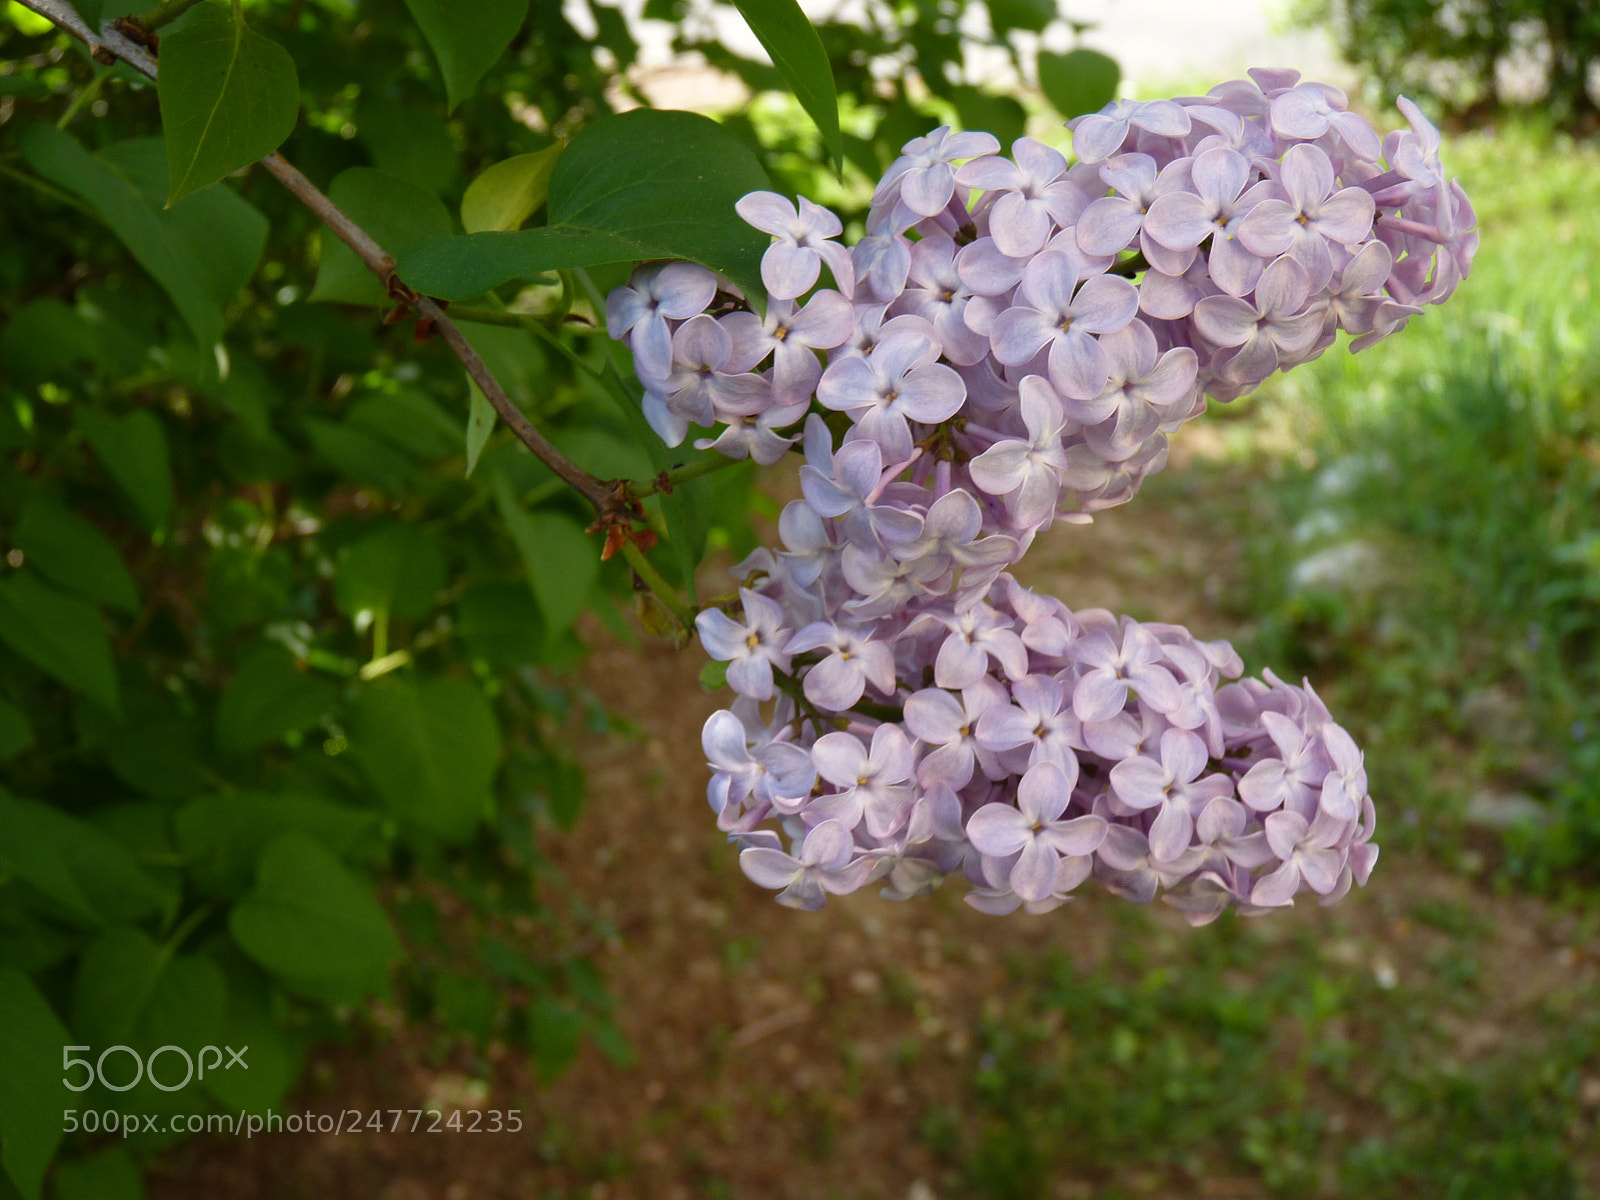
(1010, 344)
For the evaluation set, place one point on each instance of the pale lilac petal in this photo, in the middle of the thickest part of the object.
(769, 868)
(1170, 833)
(834, 684)
(1140, 782)
(789, 270)
(998, 829)
(840, 758)
(1077, 837)
(1044, 791)
(768, 212)
(1034, 876)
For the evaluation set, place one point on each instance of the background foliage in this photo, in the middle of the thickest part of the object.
(1462, 53)
(284, 621)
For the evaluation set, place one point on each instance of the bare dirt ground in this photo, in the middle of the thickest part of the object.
(785, 1055)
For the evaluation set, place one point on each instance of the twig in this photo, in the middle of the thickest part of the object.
(86, 95)
(164, 13)
(488, 316)
(381, 263)
(512, 318)
(652, 579)
(790, 685)
(105, 47)
(667, 480)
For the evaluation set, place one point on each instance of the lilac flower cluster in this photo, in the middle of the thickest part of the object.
(979, 368)
(1031, 748)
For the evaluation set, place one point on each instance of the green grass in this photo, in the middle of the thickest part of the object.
(1243, 1052)
(1462, 456)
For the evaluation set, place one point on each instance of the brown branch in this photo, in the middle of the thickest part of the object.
(381, 264)
(113, 44)
(105, 47)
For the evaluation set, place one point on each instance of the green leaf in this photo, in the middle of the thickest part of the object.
(60, 634)
(201, 251)
(222, 837)
(228, 97)
(162, 758)
(1079, 81)
(116, 977)
(409, 140)
(15, 734)
(564, 792)
(396, 569)
(185, 1008)
(108, 1175)
(361, 455)
(714, 676)
(466, 1003)
(89, 876)
(30, 849)
(1032, 15)
(789, 38)
(31, 1037)
(563, 562)
(553, 1032)
(431, 749)
(408, 420)
(133, 450)
(515, 359)
(609, 1037)
(313, 924)
(269, 698)
(276, 1053)
(508, 193)
(642, 184)
(467, 43)
(70, 551)
(480, 424)
(604, 451)
(501, 625)
(32, 943)
(999, 115)
(395, 212)
(44, 339)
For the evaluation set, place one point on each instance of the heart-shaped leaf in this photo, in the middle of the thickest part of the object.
(642, 184)
(313, 924)
(70, 551)
(59, 634)
(508, 193)
(201, 252)
(467, 40)
(1079, 81)
(31, 1037)
(430, 749)
(396, 213)
(268, 699)
(133, 450)
(228, 97)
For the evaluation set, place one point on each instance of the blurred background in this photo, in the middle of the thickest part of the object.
(1414, 530)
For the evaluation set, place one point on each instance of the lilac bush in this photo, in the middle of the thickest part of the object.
(1011, 343)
